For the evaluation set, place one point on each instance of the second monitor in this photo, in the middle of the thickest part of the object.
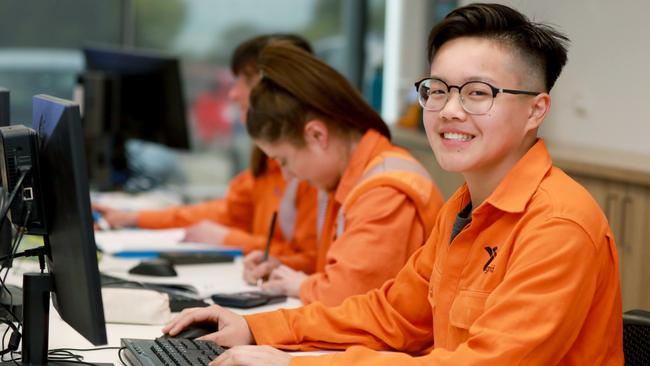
(129, 94)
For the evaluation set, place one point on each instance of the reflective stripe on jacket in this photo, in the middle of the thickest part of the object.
(387, 206)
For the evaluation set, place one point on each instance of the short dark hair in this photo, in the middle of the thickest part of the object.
(244, 59)
(540, 45)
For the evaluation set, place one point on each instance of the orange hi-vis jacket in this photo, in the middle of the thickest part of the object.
(546, 293)
(247, 209)
(381, 212)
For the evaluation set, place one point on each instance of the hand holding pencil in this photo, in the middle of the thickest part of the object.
(269, 239)
(258, 265)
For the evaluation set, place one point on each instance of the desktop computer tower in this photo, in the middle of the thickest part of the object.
(12, 297)
(18, 156)
(5, 229)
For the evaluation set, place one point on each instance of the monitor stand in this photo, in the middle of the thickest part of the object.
(36, 322)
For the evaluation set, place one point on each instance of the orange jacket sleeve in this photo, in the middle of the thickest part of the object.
(395, 316)
(534, 317)
(382, 230)
(234, 210)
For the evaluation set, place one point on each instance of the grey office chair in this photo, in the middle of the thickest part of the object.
(636, 337)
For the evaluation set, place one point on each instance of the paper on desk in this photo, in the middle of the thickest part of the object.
(151, 200)
(137, 240)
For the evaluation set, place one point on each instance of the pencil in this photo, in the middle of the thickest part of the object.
(268, 242)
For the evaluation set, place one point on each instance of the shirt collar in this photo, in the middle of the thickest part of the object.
(523, 180)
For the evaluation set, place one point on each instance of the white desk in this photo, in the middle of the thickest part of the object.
(221, 277)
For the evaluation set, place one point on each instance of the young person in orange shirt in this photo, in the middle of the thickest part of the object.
(242, 217)
(310, 119)
(521, 267)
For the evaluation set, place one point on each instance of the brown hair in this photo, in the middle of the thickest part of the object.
(295, 86)
(539, 45)
(244, 63)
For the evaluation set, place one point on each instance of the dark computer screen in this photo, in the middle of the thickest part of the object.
(5, 230)
(130, 94)
(4, 107)
(44, 168)
(70, 241)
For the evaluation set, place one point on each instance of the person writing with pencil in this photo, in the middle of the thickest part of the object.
(265, 257)
(381, 203)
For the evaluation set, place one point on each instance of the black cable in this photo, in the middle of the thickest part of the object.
(79, 362)
(5, 209)
(65, 354)
(4, 336)
(119, 355)
(84, 349)
(71, 359)
(15, 245)
(20, 233)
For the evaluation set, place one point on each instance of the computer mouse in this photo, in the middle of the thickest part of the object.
(197, 330)
(154, 267)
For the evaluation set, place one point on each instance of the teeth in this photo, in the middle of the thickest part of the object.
(457, 136)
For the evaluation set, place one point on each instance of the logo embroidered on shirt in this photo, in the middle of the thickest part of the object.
(492, 251)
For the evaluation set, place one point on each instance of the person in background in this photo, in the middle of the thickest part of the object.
(242, 217)
(521, 267)
(381, 203)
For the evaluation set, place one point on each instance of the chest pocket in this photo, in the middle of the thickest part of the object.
(466, 308)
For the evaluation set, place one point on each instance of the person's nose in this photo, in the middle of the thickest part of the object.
(453, 109)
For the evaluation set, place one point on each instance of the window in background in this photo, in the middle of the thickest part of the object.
(374, 58)
(206, 33)
(40, 41)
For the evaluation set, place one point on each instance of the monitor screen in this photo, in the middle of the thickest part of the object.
(4, 107)
(130, 94)
(70, 242)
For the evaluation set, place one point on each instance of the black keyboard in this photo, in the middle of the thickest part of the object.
(182, 258)
(177, 300)
(170, 352)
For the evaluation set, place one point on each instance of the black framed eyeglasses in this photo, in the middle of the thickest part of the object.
(476, 97)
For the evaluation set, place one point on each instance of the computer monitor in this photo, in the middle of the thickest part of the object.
(4, 107)
(69, 244)
(129, 94)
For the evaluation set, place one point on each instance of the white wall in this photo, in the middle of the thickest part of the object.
(602, 98)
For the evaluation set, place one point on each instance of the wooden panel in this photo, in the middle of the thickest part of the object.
(633, 244)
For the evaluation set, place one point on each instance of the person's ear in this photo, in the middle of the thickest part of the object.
(539, 107)
(316, 133)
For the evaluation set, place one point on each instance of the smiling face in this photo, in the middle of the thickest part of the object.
(483, 146)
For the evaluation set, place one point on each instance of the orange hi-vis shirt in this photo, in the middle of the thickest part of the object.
(546, 293)
(381, 212)
(247, 209)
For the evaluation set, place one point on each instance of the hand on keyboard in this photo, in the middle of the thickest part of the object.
(170, 352)
(233, 329)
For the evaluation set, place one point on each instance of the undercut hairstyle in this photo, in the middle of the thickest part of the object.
(540, 46)
(296, 87)
(244, 63)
